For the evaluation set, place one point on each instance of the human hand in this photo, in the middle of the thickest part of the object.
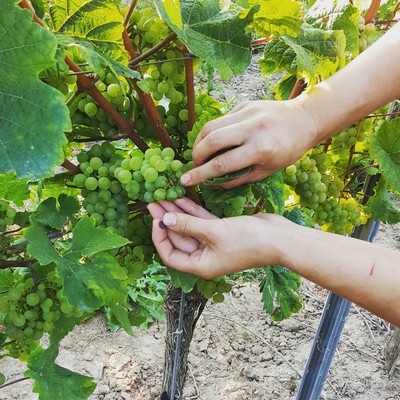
(223, 246)
(264, 135)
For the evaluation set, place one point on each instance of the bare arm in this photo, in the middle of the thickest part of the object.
(270, 135)
(365, 273)
(370, 81)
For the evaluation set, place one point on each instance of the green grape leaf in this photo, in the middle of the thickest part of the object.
(314, 55)
(280, 292)
(88, 240)
(91, 278)
(284, 87)
(271, 189)
(385, 150)
(51, 380)
(277, 17)
(380, 206)
(97, 21)
(211, 33)
(120, 313)
(48, 214)
(337, 16)
(96, 60)
(182, 280)
(2, 379)
(6, 280)
(54, 187)
(34, 116)
(13, 189)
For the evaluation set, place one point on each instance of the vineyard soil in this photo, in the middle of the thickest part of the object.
(237, 352)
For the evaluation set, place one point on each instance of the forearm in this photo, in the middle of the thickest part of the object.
(365, 273)
(365, 84)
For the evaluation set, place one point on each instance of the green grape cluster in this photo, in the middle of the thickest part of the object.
(366, 33)
(347, 138)
(339, 216)
(152, 176)
(138, 255)
(105, 200)
(163, 73)
(30, 311)
(213, 289)
(109, 181)
(308, 178)
(7, 215)
(84, 110)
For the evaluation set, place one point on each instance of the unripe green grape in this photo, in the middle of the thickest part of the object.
(100, 207)
(91, 109)
(96, 150)
(183, 114)
(113, 90)
(150, 174)
(124, 176)
(176, 165)
(32, 299)
(167, 68)
(110, 214)
(159, 194)
(91, 183)
(148, 197)
(171, 194)
(135, 163)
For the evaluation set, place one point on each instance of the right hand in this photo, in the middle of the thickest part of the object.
(267, 136)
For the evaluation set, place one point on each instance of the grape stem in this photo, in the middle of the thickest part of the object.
(12, 382)
(372, 10)
(297, 88)
(383, 115)
(70, 167)
(153, 50)
(97, 138)
(189, 88)
(129, 13)
(258, 206)
(147, 101)
(16, 264)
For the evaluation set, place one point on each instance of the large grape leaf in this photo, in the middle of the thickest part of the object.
(277, 17)
(338, 15)
(33, 117)
(280, 292)
(314, 55)
(13, 189)
(52, 381)
(380, 205)
(385, 150)
(211, 33)
(91, 278)
(97, 21)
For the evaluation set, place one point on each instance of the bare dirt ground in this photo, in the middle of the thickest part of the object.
(237, 352)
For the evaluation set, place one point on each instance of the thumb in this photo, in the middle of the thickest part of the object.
(187, 224)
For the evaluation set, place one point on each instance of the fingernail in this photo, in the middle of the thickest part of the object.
(162, 225)
(185, 179)
(169, 220)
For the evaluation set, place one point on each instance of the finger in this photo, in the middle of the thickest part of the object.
(190, 207)
(231, 161)
(156, 210)
(181, 242)
(187, 225)
(217, 140)
(172, 257)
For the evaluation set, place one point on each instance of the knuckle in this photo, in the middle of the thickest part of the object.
(219, 164)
